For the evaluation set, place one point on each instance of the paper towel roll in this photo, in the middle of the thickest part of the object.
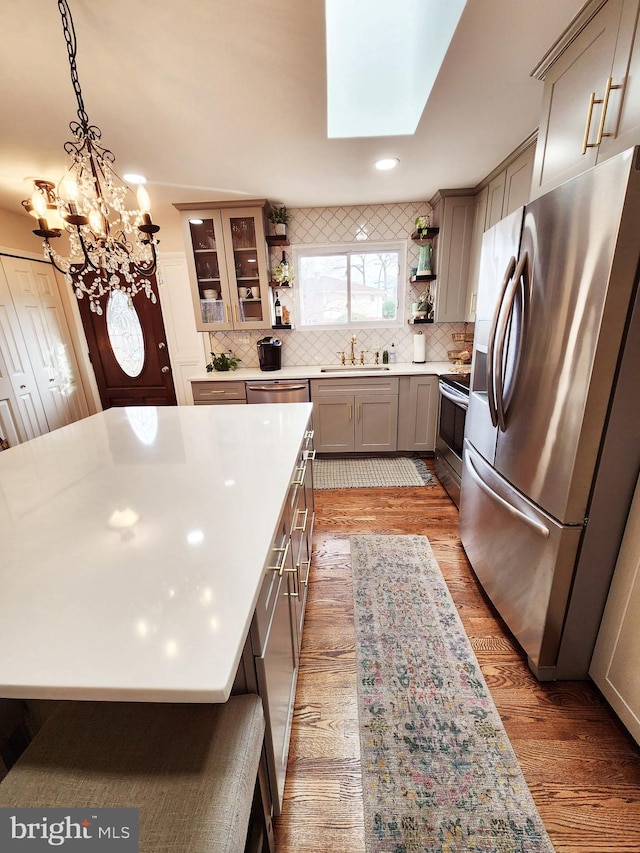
(419, 348)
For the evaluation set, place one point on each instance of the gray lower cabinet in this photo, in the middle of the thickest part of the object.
(355, 415)
(270, 661)
(218, 393)
(419, 396)
(615, 666)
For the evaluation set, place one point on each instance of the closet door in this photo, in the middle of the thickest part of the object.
(21, 412)
(37, 302)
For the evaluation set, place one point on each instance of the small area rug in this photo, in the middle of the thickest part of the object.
(439, 773)
(370, 472)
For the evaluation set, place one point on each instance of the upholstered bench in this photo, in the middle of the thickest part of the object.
(191, 770)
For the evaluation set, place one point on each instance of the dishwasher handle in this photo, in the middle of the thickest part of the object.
(279, 386)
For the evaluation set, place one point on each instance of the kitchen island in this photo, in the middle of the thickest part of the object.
(134, 549)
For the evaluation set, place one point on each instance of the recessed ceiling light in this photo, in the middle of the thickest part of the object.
(134, 179)
(386, 163)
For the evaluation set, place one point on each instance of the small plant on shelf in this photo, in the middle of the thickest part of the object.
(283, 273)
(280, 217)
(422, 223)
(222, 362)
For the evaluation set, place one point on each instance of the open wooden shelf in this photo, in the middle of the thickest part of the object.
(277, 240)
(431, 233)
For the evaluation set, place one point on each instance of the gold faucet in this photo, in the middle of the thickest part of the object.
(341, 354)
(362, 354)
(353, 352)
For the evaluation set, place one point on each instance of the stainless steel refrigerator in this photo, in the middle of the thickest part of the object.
(552, 435)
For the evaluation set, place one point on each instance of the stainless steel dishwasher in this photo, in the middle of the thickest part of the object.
(278, 391)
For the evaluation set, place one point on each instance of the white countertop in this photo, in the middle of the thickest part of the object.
(132, 549)
(314, 371)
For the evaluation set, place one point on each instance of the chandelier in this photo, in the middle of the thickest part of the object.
(111, 246)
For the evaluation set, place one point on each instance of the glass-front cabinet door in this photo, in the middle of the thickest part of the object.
(227, 259)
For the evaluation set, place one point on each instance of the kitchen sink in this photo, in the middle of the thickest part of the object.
(353, 368)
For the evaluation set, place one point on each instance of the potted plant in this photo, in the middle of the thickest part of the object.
(223, 362)
(280, 217)
(422, 223)
(283, 273)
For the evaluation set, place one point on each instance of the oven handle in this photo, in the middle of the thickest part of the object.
(457, 398)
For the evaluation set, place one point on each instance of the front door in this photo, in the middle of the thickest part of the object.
(128, 350)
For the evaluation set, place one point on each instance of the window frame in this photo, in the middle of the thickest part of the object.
(315, 249)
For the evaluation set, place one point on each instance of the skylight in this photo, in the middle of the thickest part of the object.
(383, 57)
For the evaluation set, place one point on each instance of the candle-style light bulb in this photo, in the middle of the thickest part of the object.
(39, 204)
(144, 202)
(69, 188)
(96, 222)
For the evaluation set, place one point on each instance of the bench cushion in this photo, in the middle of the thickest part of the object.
(190, 769)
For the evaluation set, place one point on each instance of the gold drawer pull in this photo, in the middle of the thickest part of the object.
(605, 104)
(310, 454)
(304, 512)
(283, 552)
(603, 115)
(585, 141)
(306, 563)
(301, 471)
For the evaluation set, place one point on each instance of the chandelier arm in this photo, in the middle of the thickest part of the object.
(152, 264)
(87, 262)
(50, 254)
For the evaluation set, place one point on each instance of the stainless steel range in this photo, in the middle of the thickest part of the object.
(454, 401)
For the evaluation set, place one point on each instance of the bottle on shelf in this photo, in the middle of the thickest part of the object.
(278, 310)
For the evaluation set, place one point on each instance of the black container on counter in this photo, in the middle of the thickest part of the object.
(270, 353)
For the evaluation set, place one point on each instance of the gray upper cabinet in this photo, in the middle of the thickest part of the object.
(495, 200)
(453, 213)
(505, 190)
(228, 264)
(591, 100)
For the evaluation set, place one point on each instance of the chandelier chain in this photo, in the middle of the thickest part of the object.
(69, 32)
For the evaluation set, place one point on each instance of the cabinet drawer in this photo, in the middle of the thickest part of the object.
(214, 392)
(279, 558)
(356, 385)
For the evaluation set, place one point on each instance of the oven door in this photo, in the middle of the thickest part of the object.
(450, 440)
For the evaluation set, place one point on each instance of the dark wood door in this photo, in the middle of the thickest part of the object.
(128, 351)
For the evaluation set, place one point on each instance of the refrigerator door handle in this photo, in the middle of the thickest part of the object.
(540, 529)
(511, 267)
(498, 353)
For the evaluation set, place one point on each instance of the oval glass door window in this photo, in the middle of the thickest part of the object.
(125, 334)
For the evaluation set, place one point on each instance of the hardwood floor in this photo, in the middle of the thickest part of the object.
(581, 765)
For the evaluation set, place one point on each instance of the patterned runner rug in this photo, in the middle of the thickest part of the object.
(438, 771)
(370, 472)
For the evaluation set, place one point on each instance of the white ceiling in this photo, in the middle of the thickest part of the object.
(218, 99)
